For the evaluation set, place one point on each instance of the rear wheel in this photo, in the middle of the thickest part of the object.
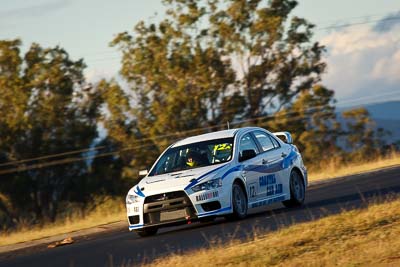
(239, 202)
(297, 191)
(147, 231)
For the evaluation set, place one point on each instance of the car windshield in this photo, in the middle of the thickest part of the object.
(194, 155)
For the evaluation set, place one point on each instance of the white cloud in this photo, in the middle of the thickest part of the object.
(363, 61)
(388, 67)
(354, 40)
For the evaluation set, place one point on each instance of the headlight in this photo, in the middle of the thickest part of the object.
(130, 199)
(215, 183)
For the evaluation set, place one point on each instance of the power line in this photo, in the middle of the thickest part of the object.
(358, 23)
(53, 155)
(368, 17)
(365, 17)
(345, 25)
(72, 160)
(154, 138)
(66, 161)
(181, 133)
(106, 154)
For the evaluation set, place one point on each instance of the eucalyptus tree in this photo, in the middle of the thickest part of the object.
(47, 108)
(206, 54)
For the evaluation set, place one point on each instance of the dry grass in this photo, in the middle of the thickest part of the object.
(334, 169)
(111, 210)
(367, 237)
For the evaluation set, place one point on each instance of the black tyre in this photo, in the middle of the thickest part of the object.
(239, 203)
(297, 191)
(147, 231)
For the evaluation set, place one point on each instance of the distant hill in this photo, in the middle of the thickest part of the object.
(386, 110)
(386, 115)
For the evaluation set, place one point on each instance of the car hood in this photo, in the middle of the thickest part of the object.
(175, 181)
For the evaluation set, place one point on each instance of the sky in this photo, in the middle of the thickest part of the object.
(363, 60)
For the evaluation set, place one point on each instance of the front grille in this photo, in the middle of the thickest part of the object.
(165, 196)
(167, 207)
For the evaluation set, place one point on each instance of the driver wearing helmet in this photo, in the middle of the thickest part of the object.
(193, 159)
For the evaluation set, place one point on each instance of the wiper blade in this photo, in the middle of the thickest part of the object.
(175, 174)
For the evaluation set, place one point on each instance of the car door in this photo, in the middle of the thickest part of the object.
(250, 165)
(271, 182)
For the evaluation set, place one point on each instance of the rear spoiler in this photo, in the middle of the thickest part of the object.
(285, 137)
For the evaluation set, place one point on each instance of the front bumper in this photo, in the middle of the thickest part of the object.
(167, 208)
(162, 209)
(176, 207)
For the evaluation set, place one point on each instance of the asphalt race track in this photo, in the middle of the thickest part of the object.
(120, 247)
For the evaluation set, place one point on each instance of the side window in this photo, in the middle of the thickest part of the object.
(276, 143)
(247, 143)
(264, 140)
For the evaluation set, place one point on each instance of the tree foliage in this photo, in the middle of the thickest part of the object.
(45, 109)
(212, 62)
(363, 141)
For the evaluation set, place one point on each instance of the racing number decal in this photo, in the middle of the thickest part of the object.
(252, 190)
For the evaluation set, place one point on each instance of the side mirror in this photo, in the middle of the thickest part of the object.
(247, 154)
(143, 173)
(285, 137)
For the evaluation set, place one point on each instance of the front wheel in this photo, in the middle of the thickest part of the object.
(297, 191)
(147, 231)
(239, 202)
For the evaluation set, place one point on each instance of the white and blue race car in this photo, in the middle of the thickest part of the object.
(214, 174)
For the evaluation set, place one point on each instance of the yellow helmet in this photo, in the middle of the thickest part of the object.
(222, 147)
(222, 152)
